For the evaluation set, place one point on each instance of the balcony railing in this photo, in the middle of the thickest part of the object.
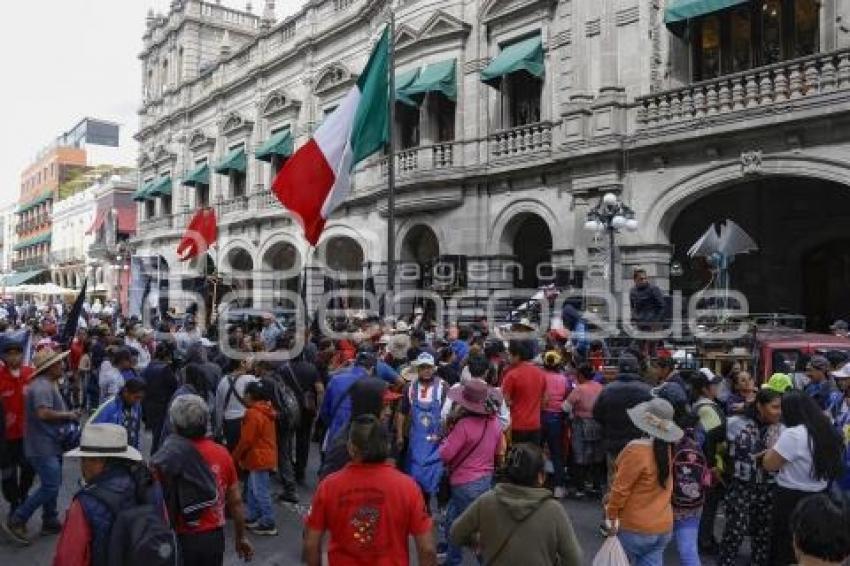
(419, 159)
(156, 223)
(67, 256)
(32, 224)
(265, 201)
(235, 204)
(758, 88)
(443, 155)
(36, 262)
(522, 140)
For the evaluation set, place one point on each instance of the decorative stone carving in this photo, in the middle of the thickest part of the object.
(198, 140)
(278, 102)
(751, 162)
(235, 123)
(333, 77)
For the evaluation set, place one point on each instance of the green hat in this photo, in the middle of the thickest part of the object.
(779, 382)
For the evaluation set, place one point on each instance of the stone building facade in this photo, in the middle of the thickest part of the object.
(513, 118)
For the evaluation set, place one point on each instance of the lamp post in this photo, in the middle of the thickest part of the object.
(611, 215)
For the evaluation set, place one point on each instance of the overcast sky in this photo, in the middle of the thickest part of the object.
(64, 60)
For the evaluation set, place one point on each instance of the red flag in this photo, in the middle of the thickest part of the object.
(200, 234)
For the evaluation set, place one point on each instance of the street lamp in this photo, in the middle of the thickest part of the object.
(611, 215)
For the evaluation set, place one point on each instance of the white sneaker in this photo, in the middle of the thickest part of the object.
(560, 492)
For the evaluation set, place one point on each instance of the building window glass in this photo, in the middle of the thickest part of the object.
(741, 41)
(806, 20)
(166, 205)
(709, 49)
(445, 114)
(757, 34)
(407, 118)
(771, 29)
(150, 209)
(202, 196)
(525, 92)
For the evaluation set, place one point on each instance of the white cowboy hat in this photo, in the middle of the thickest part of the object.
(104, 441)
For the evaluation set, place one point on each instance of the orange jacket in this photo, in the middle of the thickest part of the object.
(257, 448)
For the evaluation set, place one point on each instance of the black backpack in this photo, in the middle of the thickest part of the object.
(140, 535)
(285, 403)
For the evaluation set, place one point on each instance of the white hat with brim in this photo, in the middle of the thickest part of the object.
(842, 373)
(655, 418)
(46, 358)
(104, 440)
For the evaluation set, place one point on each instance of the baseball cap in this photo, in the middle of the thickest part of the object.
(819, 363)
(779, 382)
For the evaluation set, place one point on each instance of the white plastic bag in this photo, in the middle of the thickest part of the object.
(611, 553)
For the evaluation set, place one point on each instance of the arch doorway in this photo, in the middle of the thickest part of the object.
(530, 240)
(282, 264)
(239, 279)
(803, 262)
(420, 249)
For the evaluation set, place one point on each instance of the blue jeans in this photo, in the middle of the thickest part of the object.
(686, 533)
(258, 499)
(49, 472)
(553, 436)
(462, 497)
(643, 549)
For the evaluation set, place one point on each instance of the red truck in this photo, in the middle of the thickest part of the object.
(784, 352)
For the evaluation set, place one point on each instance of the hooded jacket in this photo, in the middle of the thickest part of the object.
(610, 410)
(519, 525)
(257, 448)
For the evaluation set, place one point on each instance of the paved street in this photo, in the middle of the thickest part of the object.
(285, 549)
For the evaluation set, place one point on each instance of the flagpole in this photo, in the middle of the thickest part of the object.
(391, 166)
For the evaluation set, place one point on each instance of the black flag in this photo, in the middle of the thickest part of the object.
(74, 317)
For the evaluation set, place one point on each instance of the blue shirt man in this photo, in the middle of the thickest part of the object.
(336, 406)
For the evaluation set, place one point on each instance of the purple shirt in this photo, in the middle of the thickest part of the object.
(470, 451)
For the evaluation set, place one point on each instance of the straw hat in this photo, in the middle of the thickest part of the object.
(655, 418)
(104, 441)
(45, 358)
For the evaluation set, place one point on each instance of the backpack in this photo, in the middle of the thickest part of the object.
(140, 535)
(286, 404)
(691, 474)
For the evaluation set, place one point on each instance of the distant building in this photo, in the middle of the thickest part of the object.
(59, 171)
(8, 219)
(89, 232)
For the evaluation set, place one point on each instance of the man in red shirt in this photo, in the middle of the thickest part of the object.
(369, 508)
(523, 386)
(201, 539)
(14, 376)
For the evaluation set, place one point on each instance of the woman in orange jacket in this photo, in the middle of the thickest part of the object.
(256, 453)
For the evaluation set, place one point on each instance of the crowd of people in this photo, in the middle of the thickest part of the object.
(469, 439)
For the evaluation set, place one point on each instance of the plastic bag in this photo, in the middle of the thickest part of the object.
(611, 553)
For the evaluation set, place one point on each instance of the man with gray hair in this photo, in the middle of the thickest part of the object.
(199, 481)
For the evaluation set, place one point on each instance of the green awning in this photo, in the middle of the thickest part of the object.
(402, 81)
(199, 176)
(161, 188)
(525, 55)
(279, 144)
(40, 239)
(235, 162)
(143, 192)
(35, 202)
(15, 279)
(436, 77)
(679, 11)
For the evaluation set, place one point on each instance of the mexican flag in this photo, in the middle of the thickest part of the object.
(317, 178)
